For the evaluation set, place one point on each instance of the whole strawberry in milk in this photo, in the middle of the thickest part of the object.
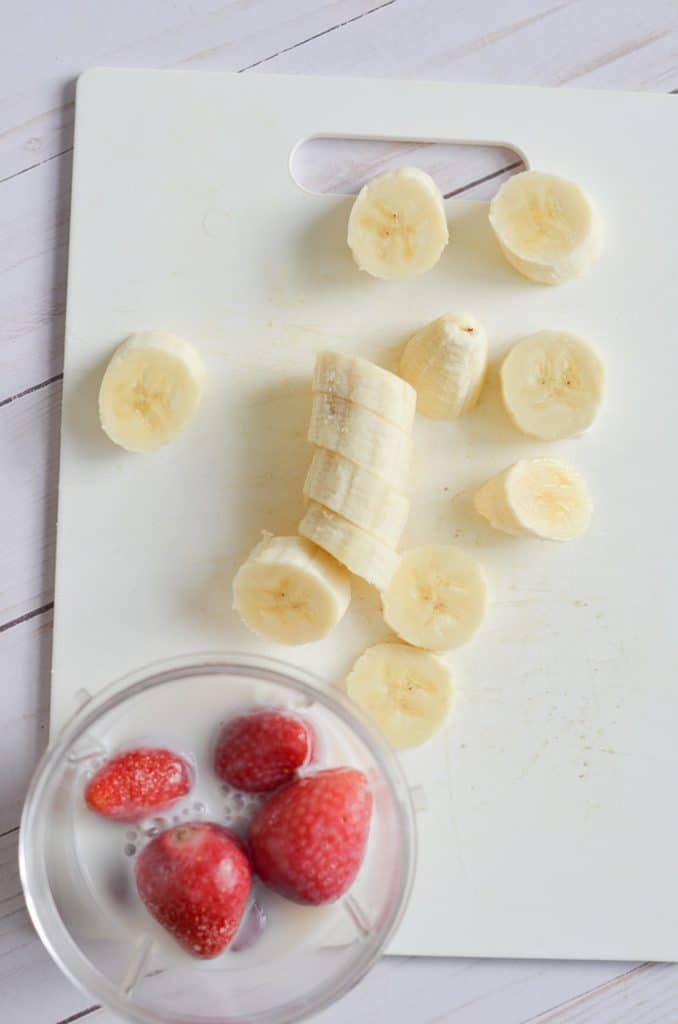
(261, 750)
(138, 782)
(195, 880)
(308, 841)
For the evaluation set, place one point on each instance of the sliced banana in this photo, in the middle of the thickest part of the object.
(407, 692)
(436, 598)
(361, 552)
(547, 227)
(541, 497)
(150, 390)
(357, 495)
(290, 591)
(397, 227)
(552, 385)
(361, 436)
(366, 384)
(446, 362)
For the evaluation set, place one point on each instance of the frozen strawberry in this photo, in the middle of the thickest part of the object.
(195, 880)
(259, 751)
(137, 783)
(308, 841)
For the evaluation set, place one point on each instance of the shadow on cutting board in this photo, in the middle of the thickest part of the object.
(81, 412)
(274, 458)
(322, 259)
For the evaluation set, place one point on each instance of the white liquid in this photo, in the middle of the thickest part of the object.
(185, 717)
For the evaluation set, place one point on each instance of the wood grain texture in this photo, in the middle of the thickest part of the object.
(29, 438)
(32, 989)
(581, 42)
(529, 41)
(38, 83)
(647, 994)
(34, 210)
(344, 165)
(24, 655)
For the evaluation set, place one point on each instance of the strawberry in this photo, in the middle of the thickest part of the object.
(195, 880)
(259, 751)
(137, 783)
(308, 841)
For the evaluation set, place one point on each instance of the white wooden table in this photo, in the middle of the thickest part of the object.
(43, 45)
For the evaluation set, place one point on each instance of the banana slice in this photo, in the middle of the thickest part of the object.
(547, 227)
(552, 385)
(397, 227)
(366, 384)
(436, 598)
(361, 436)
(357, 495)
(406, 691)
(446, 363)
(290, 591)
(361, 552)
(541, 497)
(150, 390)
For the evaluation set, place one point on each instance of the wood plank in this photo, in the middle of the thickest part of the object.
(465, 991)
(643, 995)
(525, 42)
(34, 205)
(34, 210)
(29, 446)
(627, 52)
(37, 85)
(402, 40)
(343, 166)
(30, 982)
(646, 995)
(25, 653)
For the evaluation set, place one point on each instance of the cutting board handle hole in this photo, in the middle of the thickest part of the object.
(341, 166)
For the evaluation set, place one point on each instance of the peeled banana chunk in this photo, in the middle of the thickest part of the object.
(445, 362)
(290, 591)
(436, 598)
(361, 552)
(552, 385)
(397, 227)
(152, 387)
(407, 692)
(364, 383)
(361, 436)
(548, 227)
(358, 495)
(538, 497)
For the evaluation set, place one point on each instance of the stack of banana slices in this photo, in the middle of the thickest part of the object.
(361, 430)
(295, 589)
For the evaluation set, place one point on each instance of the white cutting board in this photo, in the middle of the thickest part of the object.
(551, 828)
